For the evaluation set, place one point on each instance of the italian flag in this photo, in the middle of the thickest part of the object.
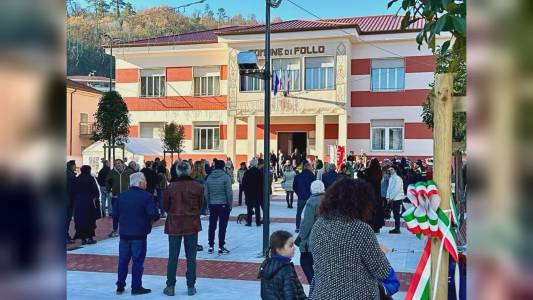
(419, 288)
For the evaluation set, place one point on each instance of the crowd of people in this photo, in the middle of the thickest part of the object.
(341, 205)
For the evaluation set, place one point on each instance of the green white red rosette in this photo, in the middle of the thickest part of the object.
(425, 218)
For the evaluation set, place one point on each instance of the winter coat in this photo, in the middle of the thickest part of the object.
(279, 280)
(395, 189)
(347, 260)
(329, 178)
(71, 179)
(240, 175)
(288, 180)
(309, 218)
(162, 180)
(218, 188)
(384, 185)
(151, 179)
(182, 200)
(118, 182)
(135, 211)
(102, 175)
(302, 184)
(86, 205)
(252, 183)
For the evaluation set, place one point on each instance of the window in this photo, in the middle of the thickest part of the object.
(152, 83)
(319, 73)
(288, 70)
(253, 84)
(206, 81)
(388, 74)
(206, 137)
(387, 135)
(152, 130)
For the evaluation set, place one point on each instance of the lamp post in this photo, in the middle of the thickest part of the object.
(266, 135)
(111, 60)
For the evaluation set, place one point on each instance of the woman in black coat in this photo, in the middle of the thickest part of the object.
(86, 208)
(373, 175)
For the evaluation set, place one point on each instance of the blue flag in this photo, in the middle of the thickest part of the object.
(276, 83)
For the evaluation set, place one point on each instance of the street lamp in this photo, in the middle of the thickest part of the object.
(266, 135)
(111, 59)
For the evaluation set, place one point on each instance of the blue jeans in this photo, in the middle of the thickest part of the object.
(219, 213)
(134, 250)
(160, 201)
(105, 201)
(174, 245)
(306, 261)
(114, 209)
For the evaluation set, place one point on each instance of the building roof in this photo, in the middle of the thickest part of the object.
(364, 25)
(197, 37)
(80, 86)
(88, 78)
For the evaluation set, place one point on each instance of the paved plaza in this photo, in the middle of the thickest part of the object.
(92, 269)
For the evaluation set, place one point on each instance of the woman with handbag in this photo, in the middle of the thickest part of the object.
(86, 206)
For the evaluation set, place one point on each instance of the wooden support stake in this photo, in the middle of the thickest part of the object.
(442, 159)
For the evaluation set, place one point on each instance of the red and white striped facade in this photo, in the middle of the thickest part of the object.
(341, 115)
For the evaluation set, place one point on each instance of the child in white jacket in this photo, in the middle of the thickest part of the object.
(396, 195)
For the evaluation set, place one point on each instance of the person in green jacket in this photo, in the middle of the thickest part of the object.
(118, 181)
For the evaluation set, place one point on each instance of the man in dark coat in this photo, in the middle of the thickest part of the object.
(330, 176)
(252, 183)
(302, 188)
(105, 197)
(151, 177)
(136, 213)
(71, 177)
(86, 206)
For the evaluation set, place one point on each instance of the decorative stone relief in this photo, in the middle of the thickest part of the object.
(341, 79)
(233, 78)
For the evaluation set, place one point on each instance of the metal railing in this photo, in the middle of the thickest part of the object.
(86, 128)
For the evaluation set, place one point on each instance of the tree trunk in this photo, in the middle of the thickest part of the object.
(442, 152)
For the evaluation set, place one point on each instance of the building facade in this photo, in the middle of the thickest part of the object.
(82, 102)
(356, 82)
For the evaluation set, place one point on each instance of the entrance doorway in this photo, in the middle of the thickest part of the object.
(288, 141)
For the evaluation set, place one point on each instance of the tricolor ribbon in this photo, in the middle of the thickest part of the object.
(425, 218)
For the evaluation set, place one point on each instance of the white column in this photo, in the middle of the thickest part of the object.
(252, 124)
(230, 138)
(319, 136)
(343, 126)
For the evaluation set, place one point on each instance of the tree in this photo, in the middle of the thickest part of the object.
(118, 5)
(128, 9)
(173, 139)
(459, 88)
(439, 16)
(221, 16)
(111, 121)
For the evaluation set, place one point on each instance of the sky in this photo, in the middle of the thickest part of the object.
(287, 11)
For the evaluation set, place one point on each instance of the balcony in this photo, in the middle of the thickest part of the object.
(86, 129)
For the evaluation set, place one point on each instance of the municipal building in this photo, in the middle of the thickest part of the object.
(357, 82)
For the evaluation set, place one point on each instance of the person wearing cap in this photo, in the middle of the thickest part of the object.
(182, 200)
(220, 199)
(310, 216)
(136, 213)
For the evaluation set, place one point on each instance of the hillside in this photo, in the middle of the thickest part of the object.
(86, 27)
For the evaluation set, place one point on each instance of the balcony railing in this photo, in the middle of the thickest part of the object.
(86, 128)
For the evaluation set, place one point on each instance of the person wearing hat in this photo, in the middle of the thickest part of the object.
(219, 198)
(310, 216)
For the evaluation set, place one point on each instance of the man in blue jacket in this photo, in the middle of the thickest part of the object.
(330, 176)
(302, 188)
(136, 213)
